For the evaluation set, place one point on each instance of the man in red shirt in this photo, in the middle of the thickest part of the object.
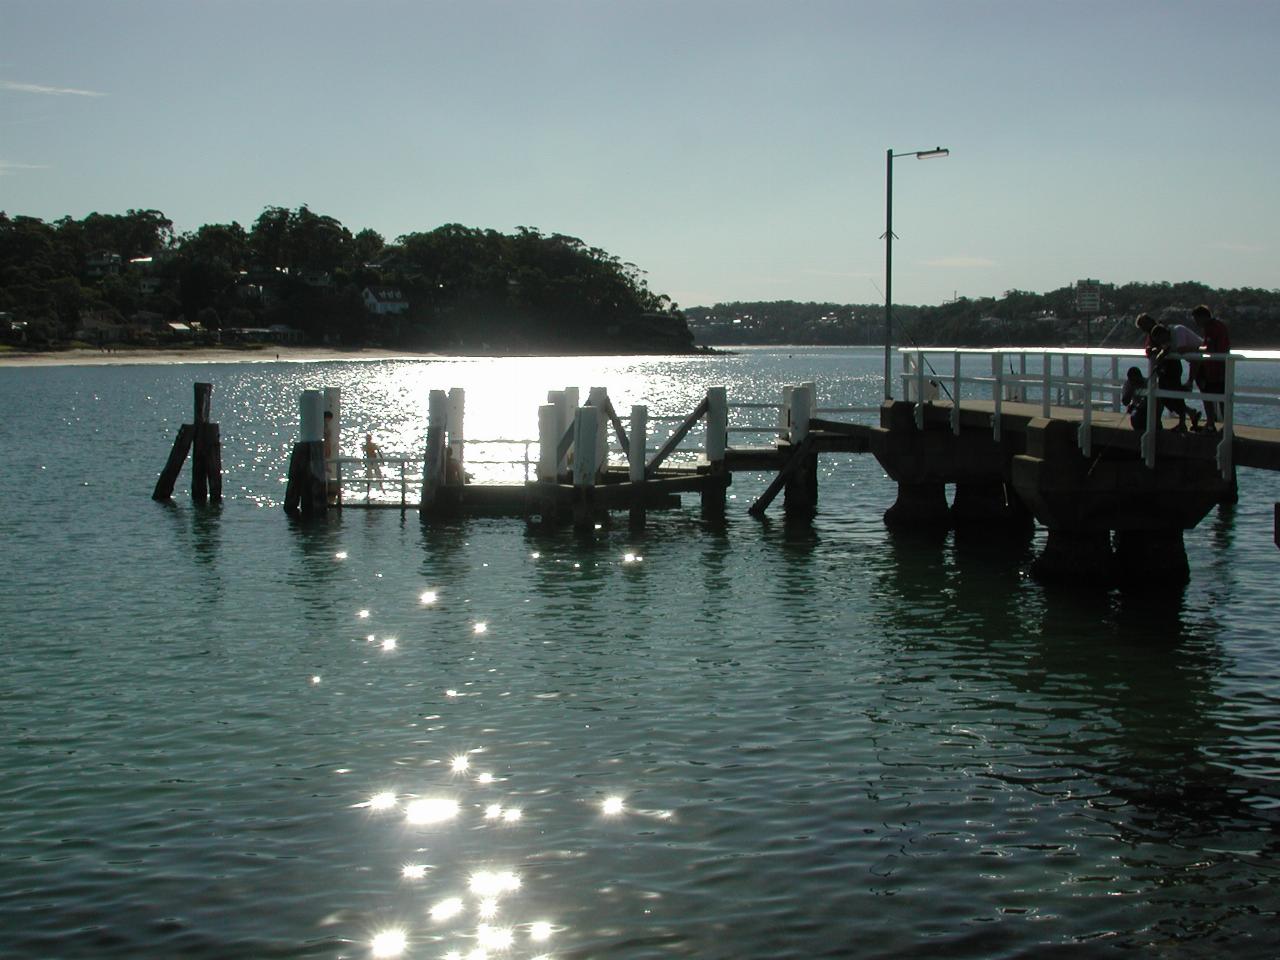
(1211, 375)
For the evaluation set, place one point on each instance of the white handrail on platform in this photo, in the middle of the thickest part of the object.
(1084, 389)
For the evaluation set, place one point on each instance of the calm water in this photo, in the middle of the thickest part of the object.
(230, 735)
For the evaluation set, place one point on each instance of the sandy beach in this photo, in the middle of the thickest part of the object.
(95, 357)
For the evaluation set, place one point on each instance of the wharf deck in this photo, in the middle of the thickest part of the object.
(1252, 446)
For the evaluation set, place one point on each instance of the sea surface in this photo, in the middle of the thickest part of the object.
(228, 734)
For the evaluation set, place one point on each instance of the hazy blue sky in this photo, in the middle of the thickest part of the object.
(733, 149)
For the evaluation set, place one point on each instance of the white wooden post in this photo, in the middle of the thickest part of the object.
(638, 441)
(584, 443)
(801, 404)
(548, 439)
(457, 407)
(433, 461)
(784, 421)
(717, 424)
(598, 397)
(566, 403)
(909, 386)
(311, 408)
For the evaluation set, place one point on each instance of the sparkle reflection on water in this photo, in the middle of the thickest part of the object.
(232, 735)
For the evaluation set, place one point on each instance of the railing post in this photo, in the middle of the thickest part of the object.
(920, 389)
(1228, 419)
(997, 371)
(908, 378)
(1085, 437)
(955, 393)
(1046, 377)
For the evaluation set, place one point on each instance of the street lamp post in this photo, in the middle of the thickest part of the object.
(890, 156)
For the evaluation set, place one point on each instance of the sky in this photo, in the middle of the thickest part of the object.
(732, 149)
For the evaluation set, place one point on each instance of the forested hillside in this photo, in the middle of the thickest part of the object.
(304, 276)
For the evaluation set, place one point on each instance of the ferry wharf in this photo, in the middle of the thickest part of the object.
(1020, 436)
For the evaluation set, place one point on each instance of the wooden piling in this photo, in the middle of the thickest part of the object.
(636, 453)
(433, 462)
(586, 426)
(800, 496)
(306, 489)
(173, 467)
(717, 442)
(202, 440)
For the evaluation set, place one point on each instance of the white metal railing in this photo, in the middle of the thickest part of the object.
(354, 473)
(1094, 383)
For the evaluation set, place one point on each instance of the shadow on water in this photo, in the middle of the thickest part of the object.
(198, 536)
(1121, 690)
(316, 542)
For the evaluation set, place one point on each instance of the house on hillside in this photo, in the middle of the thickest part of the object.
(383, 301)
(102, 263)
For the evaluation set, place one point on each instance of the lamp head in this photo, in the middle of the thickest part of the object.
(930, 154)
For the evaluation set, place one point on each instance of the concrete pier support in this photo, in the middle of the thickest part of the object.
(1082, 500)
(987, 507)
(1151, 560)
(1076, 556)
(920, 506)
(924, 461)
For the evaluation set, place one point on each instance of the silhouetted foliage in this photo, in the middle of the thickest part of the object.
(455, 287)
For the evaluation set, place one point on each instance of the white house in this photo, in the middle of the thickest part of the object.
(384, 300)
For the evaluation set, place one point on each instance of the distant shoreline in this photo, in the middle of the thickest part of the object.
(94, 357)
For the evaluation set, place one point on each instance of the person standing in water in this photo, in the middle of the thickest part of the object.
(372, 461)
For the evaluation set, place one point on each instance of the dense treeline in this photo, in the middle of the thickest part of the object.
(111, 277)
(1019, 318)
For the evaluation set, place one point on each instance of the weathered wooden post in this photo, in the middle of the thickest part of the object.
(332, 443)
(717, 442)
(564, 420)
(433, 461)
(548, 443)
(636, 453)
(202, 439)
(457, 407)
(598, 397)
(800, 496)
(305, 489)
(585, 428)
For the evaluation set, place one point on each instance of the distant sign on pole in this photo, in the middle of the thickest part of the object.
(1088, 296)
